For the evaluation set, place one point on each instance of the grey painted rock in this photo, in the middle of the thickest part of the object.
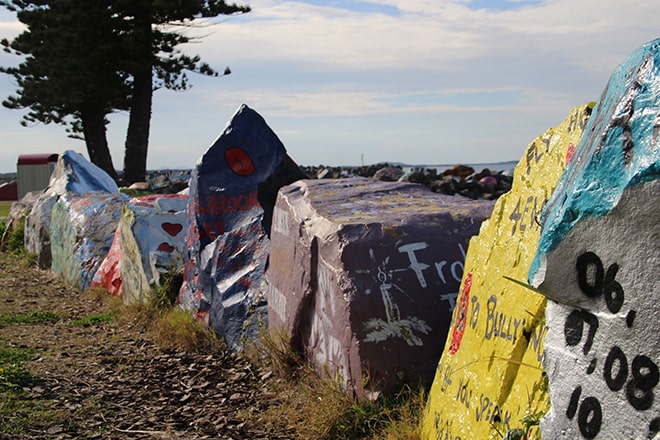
(232, 191)
(598, 263)
(364, 274)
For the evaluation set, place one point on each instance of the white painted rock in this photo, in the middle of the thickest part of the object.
(148, 243)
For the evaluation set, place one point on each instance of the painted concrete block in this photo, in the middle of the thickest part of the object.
(598, 262)
(81, 231)
(73, 174)
(490, 375)
(149, 242)
(364, 275)
(232, 191)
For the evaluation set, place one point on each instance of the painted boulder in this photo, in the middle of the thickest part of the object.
(148, 243)
(81, 231)
(490, 375)
(364, 275)
(232, 191)
(73, 174)
(598, 262)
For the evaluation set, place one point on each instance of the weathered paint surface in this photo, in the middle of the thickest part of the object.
(73, 174)
(81, 231)
(149, 242)
(598, 263)
(490, 374)
(364, 275)
(227, 244)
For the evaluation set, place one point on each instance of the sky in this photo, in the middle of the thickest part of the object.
(359, 82)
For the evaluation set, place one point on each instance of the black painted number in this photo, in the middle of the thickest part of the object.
(595, 281)
(589, 413)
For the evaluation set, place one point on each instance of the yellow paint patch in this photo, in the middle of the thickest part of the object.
(490, 375)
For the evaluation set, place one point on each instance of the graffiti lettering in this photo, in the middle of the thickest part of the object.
(415, 265)
(474, 314)
(537, 336)
(490, 412)
(525, 214)
(464, 394)
(499, 325)
(443, 428)
(281, 221)
(219, 204)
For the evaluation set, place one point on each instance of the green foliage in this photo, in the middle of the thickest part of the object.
(95, 319)
(38, 317)
(5, 207)
(12, 239)
(524, 433)
(12, 373)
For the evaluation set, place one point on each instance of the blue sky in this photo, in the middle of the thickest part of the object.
(414, 81)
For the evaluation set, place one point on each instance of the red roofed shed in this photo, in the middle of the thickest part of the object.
(33, 172)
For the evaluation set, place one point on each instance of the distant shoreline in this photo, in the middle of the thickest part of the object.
(493, 166)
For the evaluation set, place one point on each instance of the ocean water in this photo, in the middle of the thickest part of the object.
(506, 167)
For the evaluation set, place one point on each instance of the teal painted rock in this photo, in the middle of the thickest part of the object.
(81, 231)
(598, 264)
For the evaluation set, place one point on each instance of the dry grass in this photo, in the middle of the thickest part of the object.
(170, 327)
(313, 407)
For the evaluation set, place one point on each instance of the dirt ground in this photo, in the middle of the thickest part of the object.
(109, 381)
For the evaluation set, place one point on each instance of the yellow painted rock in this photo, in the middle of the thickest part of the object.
(490, 375)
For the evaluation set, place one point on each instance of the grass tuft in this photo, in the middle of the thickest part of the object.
(95, 319)
(12, 373)
(38, 317)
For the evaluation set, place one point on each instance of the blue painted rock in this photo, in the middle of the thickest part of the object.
(81, 231)
(597, 263)
(232, 191)
(364, 275)
(73, 174)
(149, 242)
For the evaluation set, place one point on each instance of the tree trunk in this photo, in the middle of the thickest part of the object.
(137, 136)
(93, 124)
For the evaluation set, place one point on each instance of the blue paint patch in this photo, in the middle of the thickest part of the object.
(356, 6)
(502, 5)
(495, 98)
(620, 149)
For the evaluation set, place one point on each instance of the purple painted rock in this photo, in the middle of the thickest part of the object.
(232, 193)
(81, 231)
(73, 174)
(364, 276)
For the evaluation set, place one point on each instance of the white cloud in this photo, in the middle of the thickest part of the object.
(333, 81)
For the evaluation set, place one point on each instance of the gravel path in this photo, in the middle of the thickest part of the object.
(109, 381)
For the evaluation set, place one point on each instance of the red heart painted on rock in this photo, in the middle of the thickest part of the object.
(172, 228)
(166, 247)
